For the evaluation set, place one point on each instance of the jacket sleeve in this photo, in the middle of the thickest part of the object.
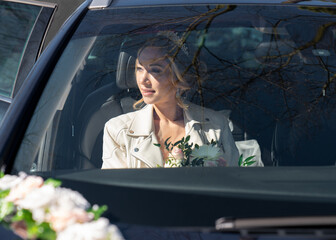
(114, 155)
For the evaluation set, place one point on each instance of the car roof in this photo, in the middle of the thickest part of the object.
(128, 3)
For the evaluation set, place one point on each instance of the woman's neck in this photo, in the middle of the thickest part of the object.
(168, 112)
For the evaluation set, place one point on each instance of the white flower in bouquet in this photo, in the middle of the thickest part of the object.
(69, 199)
(95, 230)
(207, 152)
(61, 218)
(10, 181)
(59, 206)
(114, 233)
(39, 201)
(176, 159)
(21, 190)
(39, 198)
(177, 153)
(67, 208)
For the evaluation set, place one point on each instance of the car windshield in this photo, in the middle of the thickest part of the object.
(268, 71)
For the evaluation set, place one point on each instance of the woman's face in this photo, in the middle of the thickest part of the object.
(153, 75)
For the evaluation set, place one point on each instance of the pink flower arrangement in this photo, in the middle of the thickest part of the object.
(177, 153)
(38, 209)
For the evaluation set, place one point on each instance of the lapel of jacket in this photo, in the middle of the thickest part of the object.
(195, 121)
(142, 128)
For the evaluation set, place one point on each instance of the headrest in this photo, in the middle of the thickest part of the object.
(126, 71)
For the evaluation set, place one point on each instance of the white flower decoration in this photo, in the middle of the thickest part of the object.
(55, 205)
(208, 152)
(10, 181)
(95, 230)
(20, 191)
(69, 199)
(177, 153)
(38, 201)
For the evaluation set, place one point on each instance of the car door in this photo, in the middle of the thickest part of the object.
(23, 25)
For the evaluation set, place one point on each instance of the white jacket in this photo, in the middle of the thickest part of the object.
(129, 138)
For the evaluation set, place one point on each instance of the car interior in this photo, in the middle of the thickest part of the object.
(105, 89)
(256, 80)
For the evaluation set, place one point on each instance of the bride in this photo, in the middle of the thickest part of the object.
(129, 139)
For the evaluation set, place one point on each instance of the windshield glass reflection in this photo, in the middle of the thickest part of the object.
(269, 71)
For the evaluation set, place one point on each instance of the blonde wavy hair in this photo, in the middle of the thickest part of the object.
(180, 65)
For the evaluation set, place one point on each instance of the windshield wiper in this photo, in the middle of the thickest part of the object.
(312, 227)
(248, 223)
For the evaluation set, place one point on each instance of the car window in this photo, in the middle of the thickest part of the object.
(17, 22)
(267, 70)
(22, 31)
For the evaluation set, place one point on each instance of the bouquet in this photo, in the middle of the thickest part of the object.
(38, 209)
(185, 154)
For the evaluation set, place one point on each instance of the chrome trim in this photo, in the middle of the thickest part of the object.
(32, 2)
(95, 4)
(6, 99)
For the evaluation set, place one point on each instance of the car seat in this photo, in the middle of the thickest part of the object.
(100, 106)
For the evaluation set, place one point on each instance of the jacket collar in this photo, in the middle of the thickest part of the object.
(143, 124)
(194, 115)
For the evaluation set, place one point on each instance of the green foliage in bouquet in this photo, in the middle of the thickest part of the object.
(245, 162)
(185, 154)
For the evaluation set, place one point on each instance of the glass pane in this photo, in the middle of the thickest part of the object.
(16, 23)
(258, 67)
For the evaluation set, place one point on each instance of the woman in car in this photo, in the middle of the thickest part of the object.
(164, 70)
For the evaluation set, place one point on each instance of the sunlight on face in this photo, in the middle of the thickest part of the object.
(154, 77)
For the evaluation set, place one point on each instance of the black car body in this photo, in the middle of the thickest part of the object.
(271, 63)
